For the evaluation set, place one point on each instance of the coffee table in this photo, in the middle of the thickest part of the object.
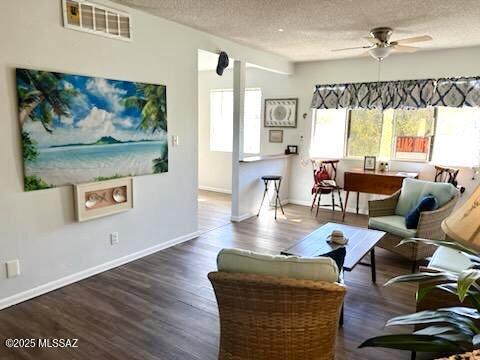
(361, 241)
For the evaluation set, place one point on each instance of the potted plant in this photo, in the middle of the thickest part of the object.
(445, 330)
(449, 329)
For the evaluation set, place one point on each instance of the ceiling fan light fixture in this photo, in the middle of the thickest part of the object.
(380, 52)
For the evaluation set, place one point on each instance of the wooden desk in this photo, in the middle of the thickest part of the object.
(373, 182)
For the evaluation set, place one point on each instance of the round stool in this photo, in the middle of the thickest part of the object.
(277, 181)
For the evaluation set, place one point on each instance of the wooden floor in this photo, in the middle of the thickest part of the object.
(162, 306)
(214, 210)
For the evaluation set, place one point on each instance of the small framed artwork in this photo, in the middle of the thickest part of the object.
(291, 149)
(102, 198)
(275, 136)
(280, 113)
(369, 163)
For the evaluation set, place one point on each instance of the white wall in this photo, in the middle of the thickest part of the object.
(446, 63)
(215, 167)
(38, 228)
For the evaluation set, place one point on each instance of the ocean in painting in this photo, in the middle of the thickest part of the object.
(74, 164)
(79, 129)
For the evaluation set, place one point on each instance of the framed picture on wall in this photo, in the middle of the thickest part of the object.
(280, 113)
(291, 149)
(369, 163)
(275, 136)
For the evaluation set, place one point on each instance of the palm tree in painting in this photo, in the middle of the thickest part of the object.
(151, 100)
(160, 164)
(41, 95)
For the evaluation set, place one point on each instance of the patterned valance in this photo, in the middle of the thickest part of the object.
(457, 92)
(405, 94)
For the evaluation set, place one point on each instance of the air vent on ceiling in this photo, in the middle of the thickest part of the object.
(96, 19)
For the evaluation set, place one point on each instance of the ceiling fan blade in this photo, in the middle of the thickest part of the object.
(352, 48)
(404, 49)
(413, 39)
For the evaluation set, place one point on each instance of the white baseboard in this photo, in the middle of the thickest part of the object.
(309, 203)
(242, 217)
(214, 189)
(70, 279)
(300, 202)
(284, 202)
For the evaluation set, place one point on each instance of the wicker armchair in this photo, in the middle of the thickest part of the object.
(268, 317)
(429, 227)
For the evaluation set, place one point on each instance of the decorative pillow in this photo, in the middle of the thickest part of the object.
(244, 261)
(338, 255)
(320, 175)
(427, 203)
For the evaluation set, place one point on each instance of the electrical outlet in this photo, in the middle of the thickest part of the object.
(13, 268)
(114, 238)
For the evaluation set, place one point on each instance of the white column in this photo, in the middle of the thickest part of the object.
(237, 151)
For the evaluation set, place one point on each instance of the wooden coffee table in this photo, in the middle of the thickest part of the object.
(361, 241)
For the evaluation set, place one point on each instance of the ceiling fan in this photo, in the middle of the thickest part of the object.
(381, 46)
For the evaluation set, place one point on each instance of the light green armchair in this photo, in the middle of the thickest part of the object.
(389, 215)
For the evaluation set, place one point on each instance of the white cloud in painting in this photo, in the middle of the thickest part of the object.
(98, 120)
(88, 130)
(66, 120)
(103, 89)
(125, 123)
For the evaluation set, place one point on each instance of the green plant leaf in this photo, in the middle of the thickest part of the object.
(412, 342)
(436, 330)
(466, 279)
(433, 317)
(451, 333)
(423, 277)
(462, 310)
(445, 243)
(476, 340)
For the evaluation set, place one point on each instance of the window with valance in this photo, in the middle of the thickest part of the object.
(361, 119)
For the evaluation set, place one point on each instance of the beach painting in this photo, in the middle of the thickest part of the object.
(78, 129)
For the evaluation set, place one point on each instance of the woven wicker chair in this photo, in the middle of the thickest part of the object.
(429, 227)
(267, 317)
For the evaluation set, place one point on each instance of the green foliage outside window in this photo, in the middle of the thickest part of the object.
(364, 133)
(373, 132)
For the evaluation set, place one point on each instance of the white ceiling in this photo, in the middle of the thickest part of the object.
(313, 27)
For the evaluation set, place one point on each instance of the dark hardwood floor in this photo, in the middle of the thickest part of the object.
(162, 306)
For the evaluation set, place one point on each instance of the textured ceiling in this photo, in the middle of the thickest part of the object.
(313, 27)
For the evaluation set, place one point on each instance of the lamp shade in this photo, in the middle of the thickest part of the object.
(380, 52)
(464, 224)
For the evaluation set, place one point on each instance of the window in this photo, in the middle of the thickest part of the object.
(364, 133)
(221, 120)
(413, 132)
(391, 134)
(449, 136)
(328, 133)
(457, 138)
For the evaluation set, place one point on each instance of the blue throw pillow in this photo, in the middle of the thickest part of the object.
(427, 203)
